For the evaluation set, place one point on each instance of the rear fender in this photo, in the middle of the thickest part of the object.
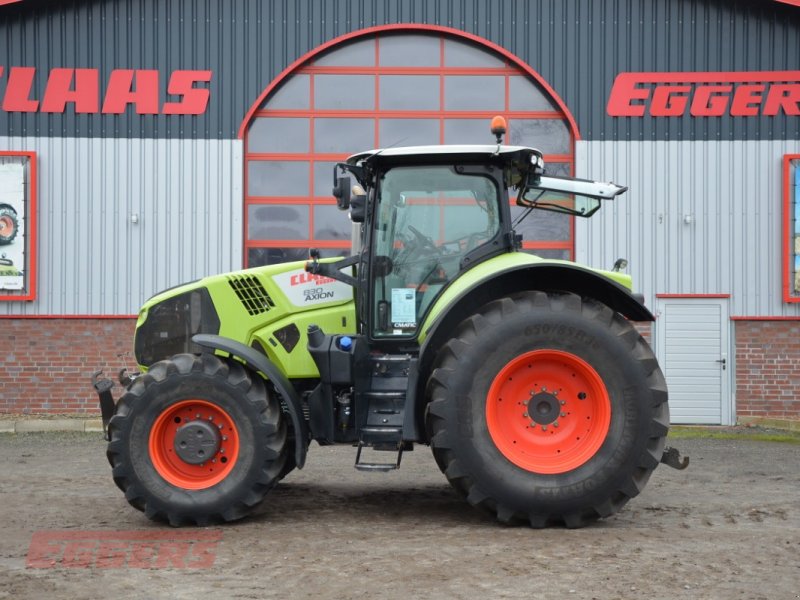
(259, 363)
(543, 276)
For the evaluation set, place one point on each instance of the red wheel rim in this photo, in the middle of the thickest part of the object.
(6, 224)
(169, 464)
(548, 411)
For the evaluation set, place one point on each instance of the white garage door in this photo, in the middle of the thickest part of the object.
(692, 347)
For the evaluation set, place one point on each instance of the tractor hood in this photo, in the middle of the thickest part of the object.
(234, 305)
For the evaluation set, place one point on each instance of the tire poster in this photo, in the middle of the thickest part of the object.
(12, 226)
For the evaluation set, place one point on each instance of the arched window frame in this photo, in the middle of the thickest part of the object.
(306, 65)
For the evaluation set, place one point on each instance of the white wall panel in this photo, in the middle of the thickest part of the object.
(732, 192)
(92, 259)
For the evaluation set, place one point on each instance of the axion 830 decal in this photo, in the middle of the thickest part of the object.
(307, 289)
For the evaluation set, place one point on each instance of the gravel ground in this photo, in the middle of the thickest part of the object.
(727, 527)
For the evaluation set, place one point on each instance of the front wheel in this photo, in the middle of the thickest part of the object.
(197, 440)
(547, 408)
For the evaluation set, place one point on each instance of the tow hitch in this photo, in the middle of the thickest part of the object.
(103, 388)
(672, 458)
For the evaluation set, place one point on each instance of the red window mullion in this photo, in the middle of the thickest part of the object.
(441, 91)
(289, 200)
(408, 114)
(441, 70)
(311, 160)
(547, 245)
(298, 244)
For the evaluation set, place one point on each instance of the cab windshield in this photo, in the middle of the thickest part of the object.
(427, 220)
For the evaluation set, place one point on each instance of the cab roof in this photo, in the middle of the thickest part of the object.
(465, 152)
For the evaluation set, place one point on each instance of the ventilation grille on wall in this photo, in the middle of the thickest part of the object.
(251, 293)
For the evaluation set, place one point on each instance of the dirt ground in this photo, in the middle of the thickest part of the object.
(728, 527)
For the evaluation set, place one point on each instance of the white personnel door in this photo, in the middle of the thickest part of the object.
(692, 345)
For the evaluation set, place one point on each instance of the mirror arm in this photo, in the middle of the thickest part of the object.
(332, 269)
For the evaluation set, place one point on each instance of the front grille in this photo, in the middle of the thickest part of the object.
(251, 293)
(170, 325)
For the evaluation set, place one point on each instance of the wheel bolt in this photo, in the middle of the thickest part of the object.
(544, 427)
(222, 450)
(525, 414)
(563, 402)
(563, 414)
(224, 438)
(555, 423)
(197, 416)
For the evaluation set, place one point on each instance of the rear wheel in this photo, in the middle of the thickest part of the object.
(197, 440)
(547, 408)
(9, 226)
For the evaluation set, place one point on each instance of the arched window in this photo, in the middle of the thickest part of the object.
(382, 89)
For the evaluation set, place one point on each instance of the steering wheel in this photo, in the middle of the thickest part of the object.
(416, 250)
(425, 242)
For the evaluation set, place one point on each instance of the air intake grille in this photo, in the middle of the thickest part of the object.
(251, 293)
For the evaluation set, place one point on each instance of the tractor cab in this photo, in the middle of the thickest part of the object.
(428, 214)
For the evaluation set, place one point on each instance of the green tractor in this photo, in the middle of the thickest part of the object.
(540, 400)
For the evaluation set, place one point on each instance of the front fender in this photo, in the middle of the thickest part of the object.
(261, 364)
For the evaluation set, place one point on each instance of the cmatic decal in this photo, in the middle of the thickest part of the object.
(304, 289)
(81, 88)
(712, 94)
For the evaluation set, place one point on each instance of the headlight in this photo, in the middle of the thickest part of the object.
(170, 325)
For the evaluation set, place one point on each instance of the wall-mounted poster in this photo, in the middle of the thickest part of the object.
(17, 171)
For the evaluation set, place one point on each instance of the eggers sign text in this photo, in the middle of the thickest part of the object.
(712, 94)
(186, 91)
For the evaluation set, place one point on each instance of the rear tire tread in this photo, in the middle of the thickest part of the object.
(440, 398)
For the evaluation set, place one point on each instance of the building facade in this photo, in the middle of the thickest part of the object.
(147, 143)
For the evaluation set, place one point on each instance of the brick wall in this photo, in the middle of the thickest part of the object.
(46, 364)
(768, 369)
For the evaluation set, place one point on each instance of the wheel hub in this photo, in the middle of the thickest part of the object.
(197, 441)
(544, 408)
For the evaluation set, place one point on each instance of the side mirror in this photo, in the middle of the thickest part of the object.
(570, 195)
(358, 205)
(341, 190)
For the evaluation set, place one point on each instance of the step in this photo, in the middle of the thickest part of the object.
(370, 466)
